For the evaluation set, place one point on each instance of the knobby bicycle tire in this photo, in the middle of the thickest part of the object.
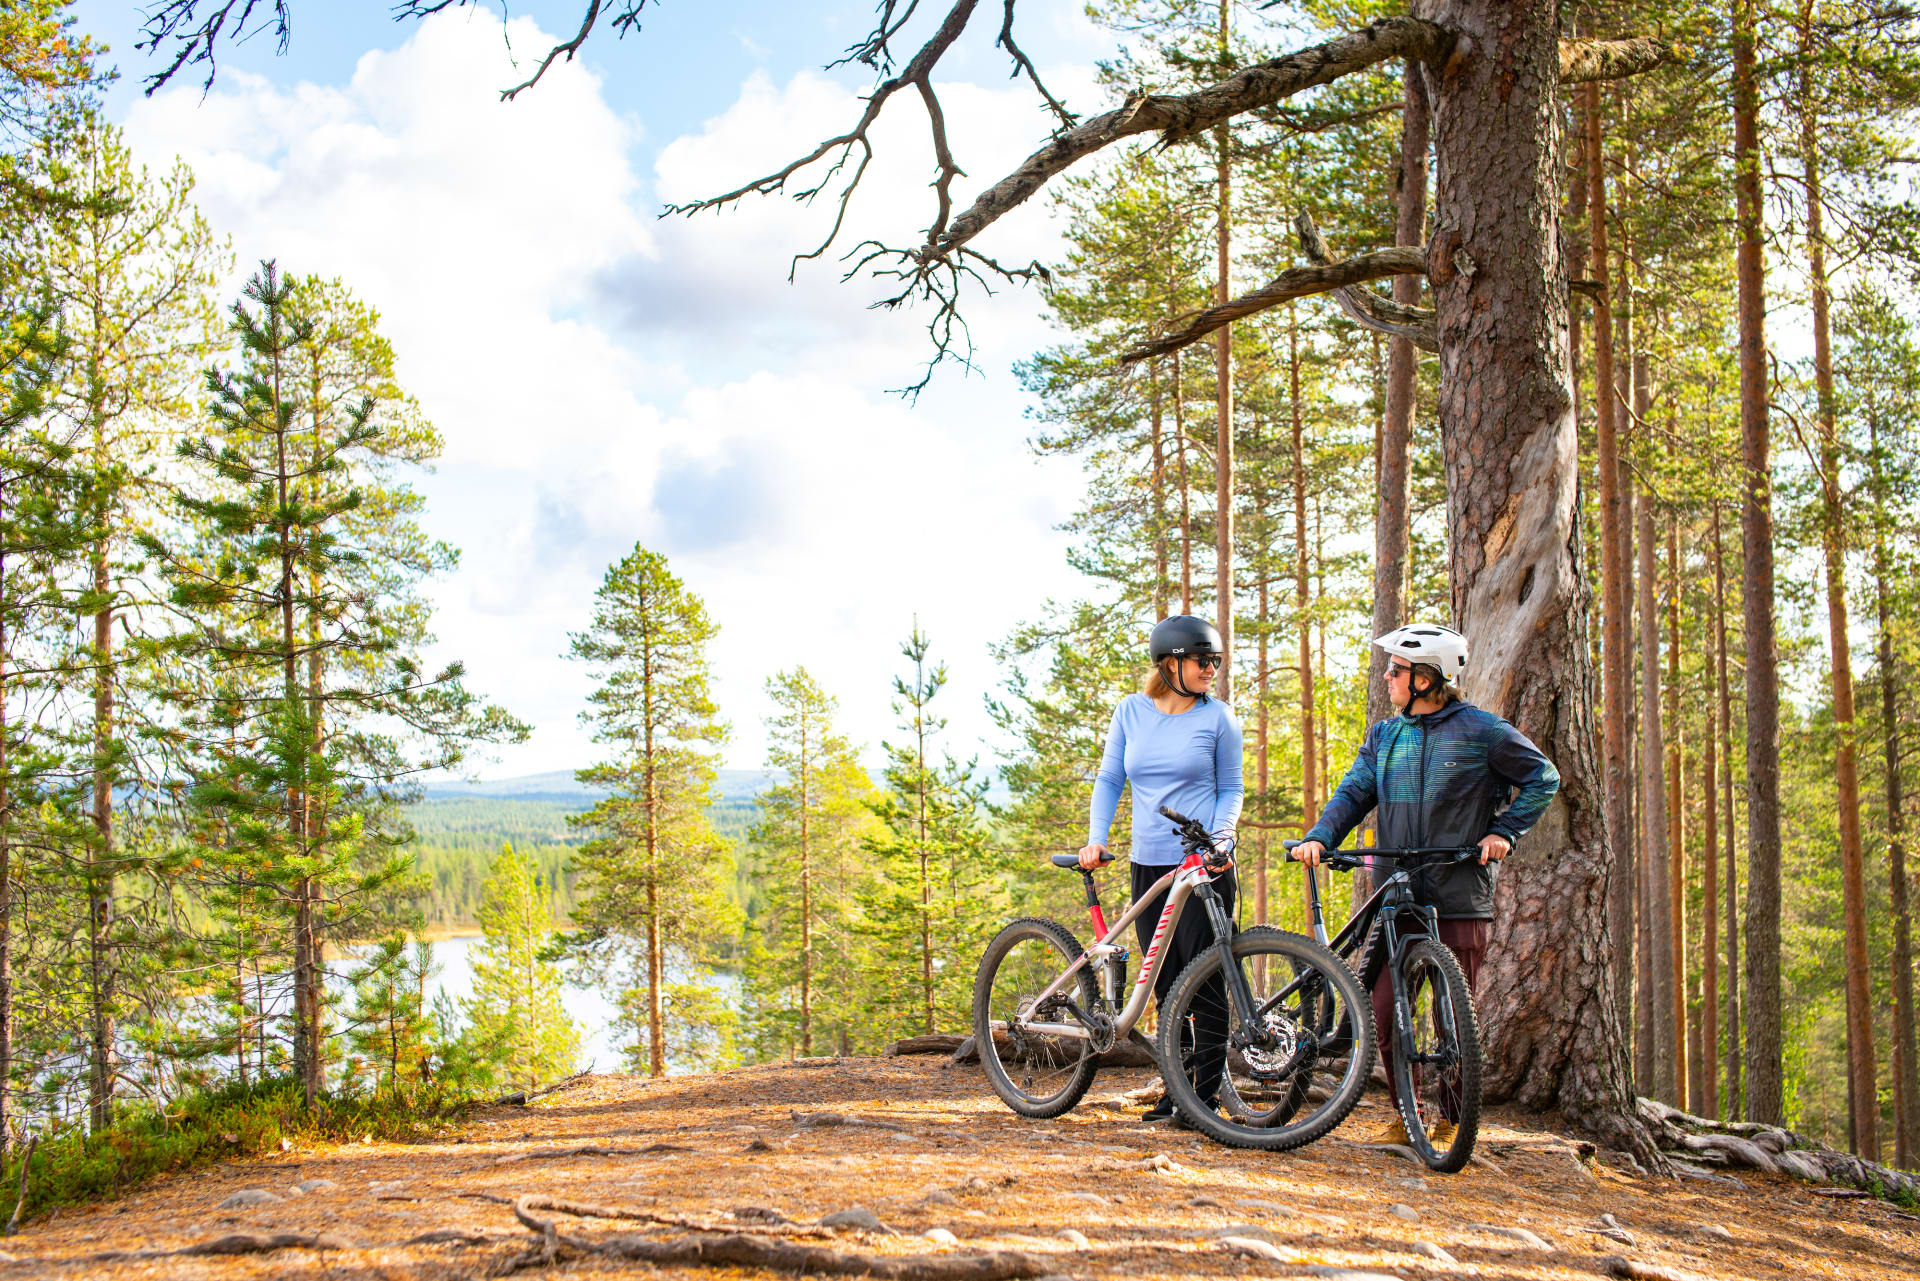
(1428, 961)
(1066, 1065)
(1321, 977)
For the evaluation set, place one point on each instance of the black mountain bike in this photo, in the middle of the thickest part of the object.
(1044, 1007)
(1435, 1037)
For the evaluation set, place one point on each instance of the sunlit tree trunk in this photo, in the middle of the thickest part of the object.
(1724, 702)
(1766, 1099)
(1223, 393)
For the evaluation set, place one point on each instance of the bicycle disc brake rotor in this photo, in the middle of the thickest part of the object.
(1276, 1061)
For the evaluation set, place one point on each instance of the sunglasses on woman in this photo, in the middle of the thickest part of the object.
(1207, 661)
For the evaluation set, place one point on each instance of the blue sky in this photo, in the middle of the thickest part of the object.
(603, 377)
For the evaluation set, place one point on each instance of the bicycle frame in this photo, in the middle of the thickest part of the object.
(1180, 884)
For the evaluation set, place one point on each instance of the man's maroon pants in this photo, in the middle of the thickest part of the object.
(1468, 941)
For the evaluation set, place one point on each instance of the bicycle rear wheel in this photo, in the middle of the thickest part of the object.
(1436, 1057)
(1035, 1074)
(1308, 1077)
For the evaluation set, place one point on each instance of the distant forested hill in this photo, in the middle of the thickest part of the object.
(460, 827)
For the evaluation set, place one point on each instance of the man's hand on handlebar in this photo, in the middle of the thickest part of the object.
(1093, 856)
(1494, 846)
(1309, 852)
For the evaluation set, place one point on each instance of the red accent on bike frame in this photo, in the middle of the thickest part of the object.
(1159, 933)
(1099, 921)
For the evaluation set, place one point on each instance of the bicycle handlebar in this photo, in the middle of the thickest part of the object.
(1350, 859)
(1195, 838)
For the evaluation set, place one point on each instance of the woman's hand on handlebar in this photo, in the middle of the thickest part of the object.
(1309, 852)
(1093, 856)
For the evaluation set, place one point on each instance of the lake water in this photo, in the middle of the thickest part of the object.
(589, 1007)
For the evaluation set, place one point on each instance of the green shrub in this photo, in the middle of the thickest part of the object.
(148, 1140)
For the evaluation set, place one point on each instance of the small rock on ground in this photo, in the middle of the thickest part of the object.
(1075, 1238)
(1407, 1212)
(1251, 1246)
(940, 1236)
(1433, 1252)
(246, 1197)
(1715, 1231)
(315, 1185)
(854, 1216)
(939, 1196)
(1202, 1202)
(1522, 1235)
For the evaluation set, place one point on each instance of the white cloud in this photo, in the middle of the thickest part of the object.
(604, 378)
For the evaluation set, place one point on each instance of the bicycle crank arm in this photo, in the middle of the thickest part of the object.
(1073, 1030)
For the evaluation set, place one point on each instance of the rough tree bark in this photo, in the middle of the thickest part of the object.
(1710, 929)
(1159, 488)
(1511, 453)
(1765, 1078)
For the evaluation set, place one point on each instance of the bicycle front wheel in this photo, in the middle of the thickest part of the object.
(1037, 1074)
(1436, 1057)
(1290, 1074)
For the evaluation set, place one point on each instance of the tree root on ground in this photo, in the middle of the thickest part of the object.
(1751, 1145)
(236, 1243)
(742, 1251)
(588, 1210)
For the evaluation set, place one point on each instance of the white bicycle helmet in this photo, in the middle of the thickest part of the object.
(1430, 643)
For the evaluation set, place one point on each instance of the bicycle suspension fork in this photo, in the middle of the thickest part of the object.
(1238, 991)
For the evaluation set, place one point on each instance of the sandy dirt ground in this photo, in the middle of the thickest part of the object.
(949, 1172)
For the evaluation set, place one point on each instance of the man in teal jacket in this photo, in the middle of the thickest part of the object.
(1439, 772)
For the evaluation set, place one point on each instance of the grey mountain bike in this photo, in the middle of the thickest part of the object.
(1297, 1031)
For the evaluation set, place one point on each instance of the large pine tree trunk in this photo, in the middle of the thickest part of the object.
(806, 893)
(1518, 587)
(6, 872)
(1159, 487)
(1710, 930)
(1766, 1099)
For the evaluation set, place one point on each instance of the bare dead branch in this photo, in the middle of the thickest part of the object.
(174, 20)
(1298, 282)
(875, 50)
(1182, 115)
(1584, 60)
(1022, 63)
(1367, 308)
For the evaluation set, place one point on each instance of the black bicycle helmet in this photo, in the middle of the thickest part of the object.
(1183, 634)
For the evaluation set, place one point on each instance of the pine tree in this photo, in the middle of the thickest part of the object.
(942, 891)
(805, 962)
(516, 1002)
(652, 909)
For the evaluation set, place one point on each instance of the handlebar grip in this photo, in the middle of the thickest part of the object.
(1167, 811)
(1290, 846)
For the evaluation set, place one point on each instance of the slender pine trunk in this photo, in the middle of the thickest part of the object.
(1223, 395)
(1766, 1099)
(1906, 1072)
(1676, 828)
(1724, 701)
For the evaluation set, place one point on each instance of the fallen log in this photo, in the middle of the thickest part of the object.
(1134, 1052)
(933, 1043)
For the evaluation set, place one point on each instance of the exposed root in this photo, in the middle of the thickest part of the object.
(1749, 1145)
(741, 1251)
(236, 1243)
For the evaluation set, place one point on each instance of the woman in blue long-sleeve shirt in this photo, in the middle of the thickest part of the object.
(1176, 746)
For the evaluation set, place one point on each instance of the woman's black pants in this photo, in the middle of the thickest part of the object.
(1204, 1044)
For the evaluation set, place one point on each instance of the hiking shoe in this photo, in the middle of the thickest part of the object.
(1394, 1134)
(1160, 1112)
(1441, 1135)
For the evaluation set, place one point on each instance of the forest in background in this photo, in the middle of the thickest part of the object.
(211, 602)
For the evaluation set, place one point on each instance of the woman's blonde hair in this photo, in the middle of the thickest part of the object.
(1156, 685)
